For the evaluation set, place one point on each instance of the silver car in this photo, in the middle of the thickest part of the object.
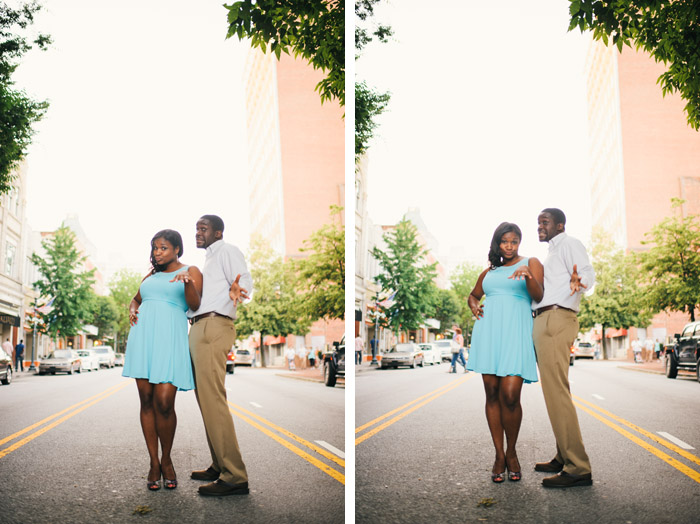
(409, 354)
(431, 353)
(60, 361)
(445, 346)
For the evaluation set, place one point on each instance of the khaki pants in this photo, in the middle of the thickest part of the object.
(210, 341)
(553, 333)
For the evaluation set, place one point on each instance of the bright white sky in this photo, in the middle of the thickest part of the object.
(146, 128)
(487, 120)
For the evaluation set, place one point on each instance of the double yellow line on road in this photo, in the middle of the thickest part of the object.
(251, 418)
(428, 397)
(579, 402)
(69, 412)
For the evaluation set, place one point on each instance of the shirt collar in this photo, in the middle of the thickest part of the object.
(555, 241)
(214, 247)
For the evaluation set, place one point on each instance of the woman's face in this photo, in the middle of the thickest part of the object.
(164, 252)
(509, 246)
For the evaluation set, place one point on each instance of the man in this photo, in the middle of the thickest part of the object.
(19, 356)
(7, 348)
(567, 273)
(226, 281)
(359, 346)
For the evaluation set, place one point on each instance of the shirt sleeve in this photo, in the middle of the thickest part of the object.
(575, 253)
(234, 265)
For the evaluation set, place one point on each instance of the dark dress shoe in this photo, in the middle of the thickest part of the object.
(221, 488)
(205, 474)
(567, 480)
(553, 466)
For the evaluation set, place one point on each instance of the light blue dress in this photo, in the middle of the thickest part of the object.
(158, 346)
(502, 339)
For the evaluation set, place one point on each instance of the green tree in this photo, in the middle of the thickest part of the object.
(105, 316)
(122, 288)
(322, 272)
(312, 29)
(671, 267)
(446, 308)
(275, 308)
(369, 103)
(463, 280)
(63, 279)
(18, 112)
(616, 301)
(668, 30)
(406, 274)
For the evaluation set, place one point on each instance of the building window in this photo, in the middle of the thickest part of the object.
(10, 251)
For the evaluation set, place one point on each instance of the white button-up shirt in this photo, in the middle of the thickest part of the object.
(222, 263)
(564, 252)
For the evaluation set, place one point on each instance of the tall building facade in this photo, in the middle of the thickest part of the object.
(296, 162)
(643, 154)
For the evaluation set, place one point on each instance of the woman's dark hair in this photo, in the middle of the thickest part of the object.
(171, 236)
(495, 258)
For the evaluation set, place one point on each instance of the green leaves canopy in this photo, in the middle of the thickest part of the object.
(64, 280)
(668, 30)
(312, 29)
(17, 111)
(404, 271)
(322, 272)
(672, 264)
(123, 287)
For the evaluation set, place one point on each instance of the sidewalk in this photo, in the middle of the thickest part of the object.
(655, 366)
(310, 374)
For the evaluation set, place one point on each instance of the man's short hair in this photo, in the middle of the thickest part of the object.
(557, 214)
(215, 222)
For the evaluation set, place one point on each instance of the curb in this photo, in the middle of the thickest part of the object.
(300, 377)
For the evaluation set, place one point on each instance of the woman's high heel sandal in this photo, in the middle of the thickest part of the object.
(153, 485)
(513, 476)
(498, 477)
(170, 484)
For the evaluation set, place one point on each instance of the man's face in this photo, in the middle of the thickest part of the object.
(206, 235)
(546, 228)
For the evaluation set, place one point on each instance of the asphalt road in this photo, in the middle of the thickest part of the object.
(71, 451)
(424, 453)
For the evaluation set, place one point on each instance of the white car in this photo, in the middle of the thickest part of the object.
(431, 353)
(89, 359)
(106, 355)
(445, 346)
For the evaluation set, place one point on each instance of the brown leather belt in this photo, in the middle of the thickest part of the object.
(550, 308)
(207, 315)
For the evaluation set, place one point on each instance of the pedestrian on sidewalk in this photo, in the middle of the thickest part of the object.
(502, 348)
(457, 350)
(301, 353)
(649, 347)
(657, 349)
(567, 274)
(157, 349)
(7, 348)
(359, 347)
(312, 359)
(19, 356)
(637, 351)
(290, 354)
(227, 282)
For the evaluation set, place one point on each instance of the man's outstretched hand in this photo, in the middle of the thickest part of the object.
(237, 293)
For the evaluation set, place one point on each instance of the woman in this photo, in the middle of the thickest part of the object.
(457, 350)
(502, 348)
(157, 350)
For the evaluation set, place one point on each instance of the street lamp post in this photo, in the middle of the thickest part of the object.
(31, 364)
(376, 330)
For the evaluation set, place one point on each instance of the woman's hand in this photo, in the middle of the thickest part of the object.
(477, 311)
(133, 316)
(521, 273)
(183, 276)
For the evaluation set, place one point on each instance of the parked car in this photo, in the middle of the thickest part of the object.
(431, 353)
(244, 357)
(684, 351)
(445, 346)
(119, 359)
(406, 354)
(231, 361)
(60, 361)
(583, 350)
(106, 355)
(334, 363)
(89, 359)
(5, 367)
